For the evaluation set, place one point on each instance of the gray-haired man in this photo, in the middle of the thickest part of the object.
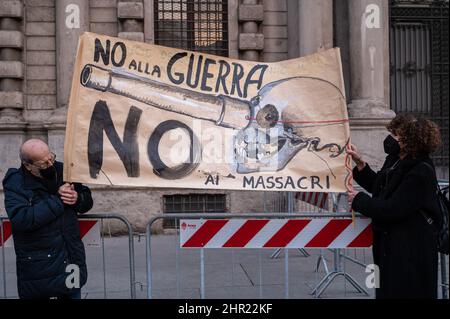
(43, 212)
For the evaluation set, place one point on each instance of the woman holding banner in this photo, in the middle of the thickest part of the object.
(404, 244)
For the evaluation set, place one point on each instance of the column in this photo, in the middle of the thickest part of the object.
(72, 20)
(369, 58)
(315, 26)
(149, 21)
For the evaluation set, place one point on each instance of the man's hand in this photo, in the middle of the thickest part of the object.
(68, 194)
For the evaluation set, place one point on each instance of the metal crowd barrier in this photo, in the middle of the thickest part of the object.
(277, 204)
(231, 216)
(2, 218)
(334, 203)
(130, 248)
(443, 262)
(443, 259)
(100, 217)
(319, 289)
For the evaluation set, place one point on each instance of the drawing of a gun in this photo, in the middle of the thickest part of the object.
(270, 110)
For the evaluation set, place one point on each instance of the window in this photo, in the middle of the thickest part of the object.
(419, 63)
(196, 25)
(192, 203)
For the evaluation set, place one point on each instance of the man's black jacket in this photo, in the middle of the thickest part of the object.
(45, 231)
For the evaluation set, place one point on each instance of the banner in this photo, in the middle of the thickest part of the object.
(153, 116)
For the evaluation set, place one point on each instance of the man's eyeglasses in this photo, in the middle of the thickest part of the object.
(43, 165)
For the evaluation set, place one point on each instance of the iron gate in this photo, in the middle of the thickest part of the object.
(419, 63)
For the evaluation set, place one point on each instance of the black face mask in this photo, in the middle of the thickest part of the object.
(48, 173)
(391, 146)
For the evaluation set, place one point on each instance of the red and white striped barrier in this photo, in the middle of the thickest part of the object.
(89, 232)
(276, 233)
(318, 199)
(7, 238)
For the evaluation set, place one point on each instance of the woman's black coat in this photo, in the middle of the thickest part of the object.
(45, 231)
(404, 244)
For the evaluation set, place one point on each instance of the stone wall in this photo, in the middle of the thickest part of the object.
(12, 80)
(274, 28)
(40, 61)
(103, 17)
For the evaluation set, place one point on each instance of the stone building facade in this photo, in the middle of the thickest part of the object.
(38, 41)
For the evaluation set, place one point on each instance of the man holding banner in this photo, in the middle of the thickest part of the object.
(43, 212)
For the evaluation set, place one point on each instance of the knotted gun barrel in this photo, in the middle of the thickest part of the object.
(222, 110)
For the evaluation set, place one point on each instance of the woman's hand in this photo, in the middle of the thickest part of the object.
(353, 152)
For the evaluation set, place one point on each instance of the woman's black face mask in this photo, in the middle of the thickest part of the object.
(48, 173)
(391, 146)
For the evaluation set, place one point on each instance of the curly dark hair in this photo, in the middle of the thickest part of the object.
(418, 135)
